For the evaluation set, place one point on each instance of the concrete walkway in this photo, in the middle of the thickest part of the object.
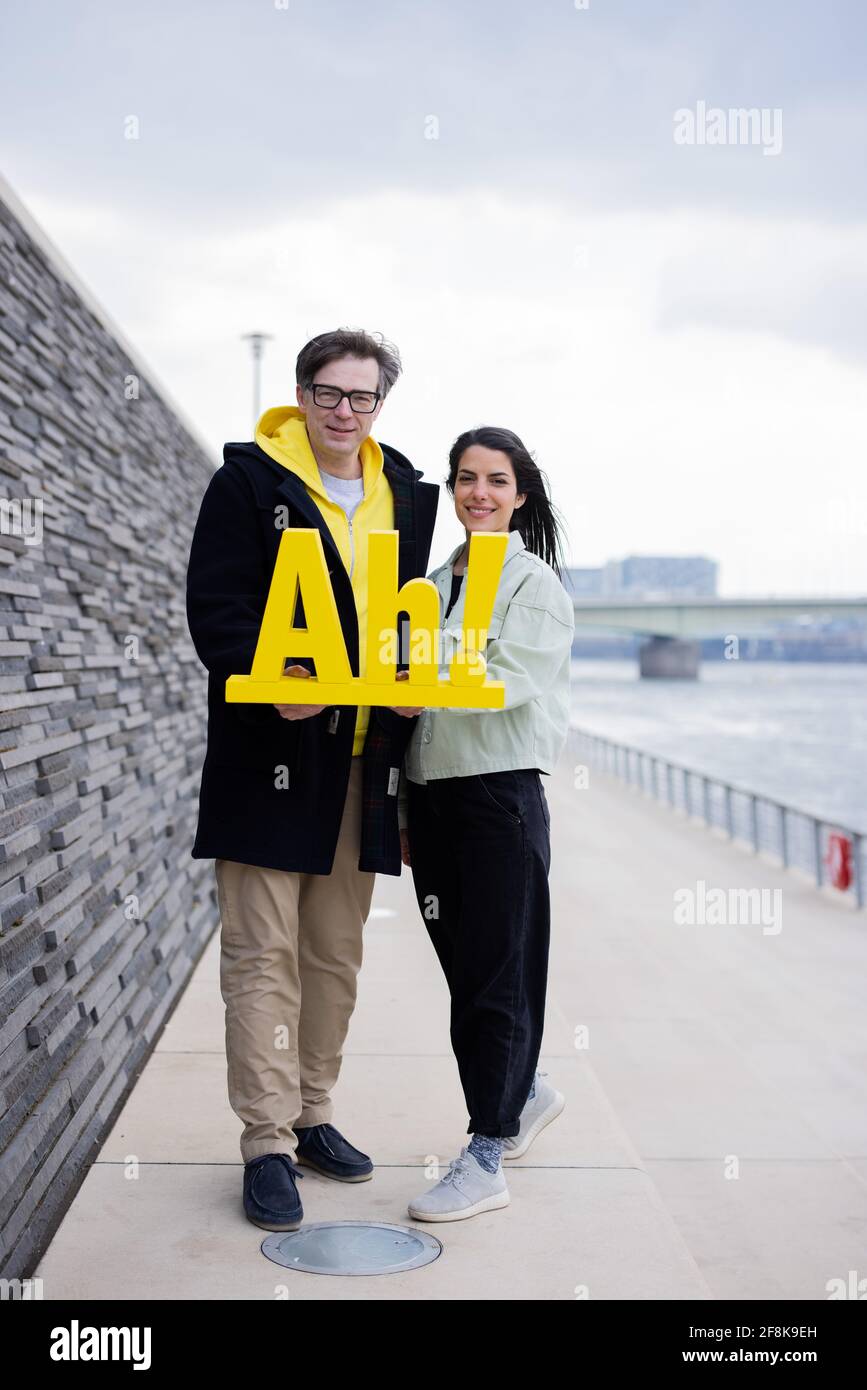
(713, 1145)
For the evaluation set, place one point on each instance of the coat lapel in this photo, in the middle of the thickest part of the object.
(295, 494)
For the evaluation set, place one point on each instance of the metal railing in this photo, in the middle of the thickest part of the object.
(797, 839)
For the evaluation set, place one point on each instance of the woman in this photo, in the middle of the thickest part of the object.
(475, 823)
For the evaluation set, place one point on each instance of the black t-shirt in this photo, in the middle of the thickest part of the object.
(457, 581)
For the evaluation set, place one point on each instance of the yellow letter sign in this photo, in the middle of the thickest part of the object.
(301, 567)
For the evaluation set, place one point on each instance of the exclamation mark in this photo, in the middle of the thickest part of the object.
(484, 567)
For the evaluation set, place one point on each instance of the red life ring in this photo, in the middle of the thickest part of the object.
(839, 861)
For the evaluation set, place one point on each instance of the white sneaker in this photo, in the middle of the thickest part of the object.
(537, 1113)
(465, 1190)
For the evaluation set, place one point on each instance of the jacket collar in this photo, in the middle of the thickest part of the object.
(282, 434)
(262, 477)
(400, 473)
(514, 547)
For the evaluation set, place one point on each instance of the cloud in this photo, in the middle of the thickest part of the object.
(807, 283)
(677, 331)
(247, 110)
(663, 425)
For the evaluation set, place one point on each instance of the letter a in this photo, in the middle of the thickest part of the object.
(300, 567)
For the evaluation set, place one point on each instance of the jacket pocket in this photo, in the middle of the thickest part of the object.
(452, 634)
(496, 623)
(453, 624)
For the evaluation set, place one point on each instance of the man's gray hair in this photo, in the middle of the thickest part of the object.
(348, 342)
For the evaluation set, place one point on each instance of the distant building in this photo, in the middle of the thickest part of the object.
(660, 576)
(646, 576)
(583, 582)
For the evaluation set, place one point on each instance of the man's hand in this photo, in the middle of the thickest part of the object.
(298, 711)
(404, 847)
(408, 711)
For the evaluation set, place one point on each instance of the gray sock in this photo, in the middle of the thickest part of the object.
(532, 1091)
(486, 1150)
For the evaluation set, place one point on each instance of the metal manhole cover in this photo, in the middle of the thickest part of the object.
(352, 1247)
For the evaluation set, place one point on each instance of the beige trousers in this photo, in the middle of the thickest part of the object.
(290, 953)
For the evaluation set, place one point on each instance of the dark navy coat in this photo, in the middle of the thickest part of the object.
(242, 814)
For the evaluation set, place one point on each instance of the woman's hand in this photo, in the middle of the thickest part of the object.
(298, 711)
(404, 847)
(409, 711)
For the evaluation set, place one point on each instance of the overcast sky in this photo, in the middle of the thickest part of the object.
(677, 330)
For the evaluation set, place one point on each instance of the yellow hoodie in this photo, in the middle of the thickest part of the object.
(282, 434)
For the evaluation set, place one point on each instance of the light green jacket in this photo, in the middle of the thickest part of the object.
(529, 649)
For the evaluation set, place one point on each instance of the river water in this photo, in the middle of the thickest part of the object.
(795, 731)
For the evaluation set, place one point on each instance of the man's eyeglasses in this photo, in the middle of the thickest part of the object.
(361, 402)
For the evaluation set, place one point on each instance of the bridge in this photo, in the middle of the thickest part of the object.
(673, 626)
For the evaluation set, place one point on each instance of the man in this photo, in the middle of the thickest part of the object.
(298, 804)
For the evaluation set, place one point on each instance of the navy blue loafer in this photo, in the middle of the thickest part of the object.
(271, 1198)
(324, 1148)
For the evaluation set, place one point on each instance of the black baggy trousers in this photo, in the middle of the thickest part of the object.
(480, 852)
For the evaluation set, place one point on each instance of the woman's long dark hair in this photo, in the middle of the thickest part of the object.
(537, 519)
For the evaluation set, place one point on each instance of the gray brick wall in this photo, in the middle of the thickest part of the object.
(103, 913)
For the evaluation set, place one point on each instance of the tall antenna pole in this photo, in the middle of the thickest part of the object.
(257, 342)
